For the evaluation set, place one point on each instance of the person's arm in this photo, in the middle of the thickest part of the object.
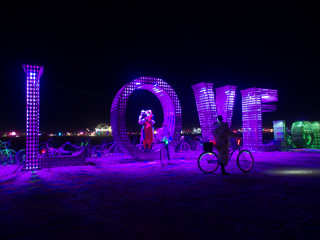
(152, 120)
(141, 120)
(233, 134)
(212, 131)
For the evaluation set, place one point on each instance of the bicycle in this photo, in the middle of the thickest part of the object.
(195, 144)
(182, 145)
(7, 155)
(85, 143)
(46, 148)
(166, 151)
(155, 146)
(208, 161)
(21, 156)
(105, 149)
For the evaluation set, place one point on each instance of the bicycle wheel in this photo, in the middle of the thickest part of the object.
(104, 150)
(109, 148)
(245, 160)
(197, 146)
(96, 151)
(164, 156)
(21, 156)
(13, 156)
(113, 149)
(156, 147)
(2, 158)
(7, 156)
(184, 147)
(208, 162)
(88, 150)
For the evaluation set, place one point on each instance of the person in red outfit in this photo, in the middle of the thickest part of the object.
(147, 122)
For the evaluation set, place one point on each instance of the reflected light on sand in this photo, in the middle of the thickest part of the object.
(294, 172)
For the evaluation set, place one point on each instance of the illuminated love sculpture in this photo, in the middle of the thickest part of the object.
(208, 107)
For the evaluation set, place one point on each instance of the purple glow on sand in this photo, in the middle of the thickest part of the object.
(171, 112)
(252, 109)
(33, 103)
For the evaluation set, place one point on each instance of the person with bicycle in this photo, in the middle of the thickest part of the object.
(221, 134)
(164, 136)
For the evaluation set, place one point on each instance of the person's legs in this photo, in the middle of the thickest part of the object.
(223, 170)
(223, 155)
(145, 144)
(167, 147)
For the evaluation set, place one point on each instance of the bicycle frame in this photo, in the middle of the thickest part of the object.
(4, 145)
(6, 153)
(107, 151)
(233, 149)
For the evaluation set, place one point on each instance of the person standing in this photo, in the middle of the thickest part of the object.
(148, 130)
(221, 134)
(141, 121)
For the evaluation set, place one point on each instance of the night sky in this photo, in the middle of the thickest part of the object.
(89, 55)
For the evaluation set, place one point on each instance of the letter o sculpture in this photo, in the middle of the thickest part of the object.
(171, 112)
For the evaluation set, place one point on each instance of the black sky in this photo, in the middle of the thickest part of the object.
(89, 55)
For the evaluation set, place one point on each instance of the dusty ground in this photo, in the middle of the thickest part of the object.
(119, 199)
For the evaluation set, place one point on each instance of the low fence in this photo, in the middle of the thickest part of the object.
(77, 159)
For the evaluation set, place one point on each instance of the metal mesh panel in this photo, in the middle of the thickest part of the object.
(63, 161)
(209, 108)
(171, 112)
(33, 161)
(32, 115)
(252, 109)
(206, 106)
(225, 102)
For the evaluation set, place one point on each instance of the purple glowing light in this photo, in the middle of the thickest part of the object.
(252, 109)
(225, 102)
(206, 106)
(209, 108)
(32, 127)
(171, 112)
